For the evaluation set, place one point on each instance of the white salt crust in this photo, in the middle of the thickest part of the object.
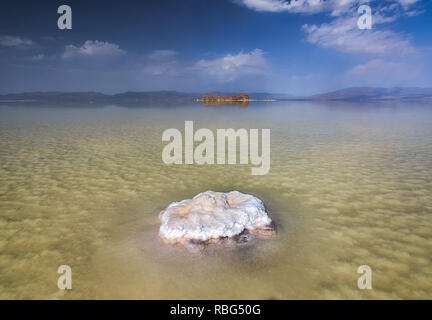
(210, 216)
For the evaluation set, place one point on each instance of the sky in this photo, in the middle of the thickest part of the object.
(298, 47)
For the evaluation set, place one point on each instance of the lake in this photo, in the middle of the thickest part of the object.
(350, 184)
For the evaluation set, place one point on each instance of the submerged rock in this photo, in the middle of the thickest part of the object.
(212, 217)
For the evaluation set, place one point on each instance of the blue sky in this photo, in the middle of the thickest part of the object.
(299, 47)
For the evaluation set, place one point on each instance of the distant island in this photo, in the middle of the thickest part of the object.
(227, 99)
(166, 98)
(215, 99)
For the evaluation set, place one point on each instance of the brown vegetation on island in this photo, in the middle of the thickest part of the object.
(215, 100)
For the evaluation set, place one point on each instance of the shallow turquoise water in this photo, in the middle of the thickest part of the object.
(350, 184)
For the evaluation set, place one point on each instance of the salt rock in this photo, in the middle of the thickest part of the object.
(213, 216)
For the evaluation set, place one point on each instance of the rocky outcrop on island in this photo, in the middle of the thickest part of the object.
(215, 100)
(214, 217)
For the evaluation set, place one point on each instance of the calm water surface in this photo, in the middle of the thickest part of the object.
(349, 184)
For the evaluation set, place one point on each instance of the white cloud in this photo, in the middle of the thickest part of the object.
(266, 5)
(162, 54)
(93, 49)
(414, 13)
(301, 6)
(377, 72)
(281, 5)
(406, 3)
(38, 57)
(231, 67)
(342, 32)
(344, 35)
(161, 62)
(335, 7)
(10, 41)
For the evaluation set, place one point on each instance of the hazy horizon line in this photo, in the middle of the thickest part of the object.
(215, 91)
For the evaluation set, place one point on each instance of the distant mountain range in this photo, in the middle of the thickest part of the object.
(95, 98)
(173, 97)
(368, 93)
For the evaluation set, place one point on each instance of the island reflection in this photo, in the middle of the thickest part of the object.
(243, 104)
